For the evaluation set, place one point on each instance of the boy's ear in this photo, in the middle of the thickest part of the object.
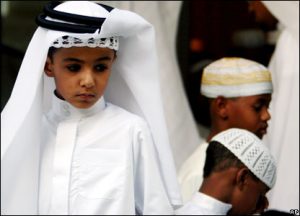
(49, 68)
(241, 178)
(221, 106)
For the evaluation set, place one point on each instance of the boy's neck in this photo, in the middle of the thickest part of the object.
(219, 185)
(217, 127)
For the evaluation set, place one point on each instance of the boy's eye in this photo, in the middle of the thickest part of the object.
(100, 67)
(257, 107)
(74, 67)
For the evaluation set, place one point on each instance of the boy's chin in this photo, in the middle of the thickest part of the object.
(82, 105)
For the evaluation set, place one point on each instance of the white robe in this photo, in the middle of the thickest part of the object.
(99, 160)
(202, 204)
(283, 133)
(190, 176)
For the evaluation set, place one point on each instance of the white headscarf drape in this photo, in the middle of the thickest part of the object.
(181, 126)
(283, 133)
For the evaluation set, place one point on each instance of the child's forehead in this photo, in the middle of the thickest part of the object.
(84, 53)
(255, 98)
(84, 49)
(259, 98)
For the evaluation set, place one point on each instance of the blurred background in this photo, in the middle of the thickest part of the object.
(17, 28)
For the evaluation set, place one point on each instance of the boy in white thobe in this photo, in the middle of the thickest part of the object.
(64, 149)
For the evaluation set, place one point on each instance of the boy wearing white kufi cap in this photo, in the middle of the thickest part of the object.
(239, 92)
(66, 150)
(239, 170)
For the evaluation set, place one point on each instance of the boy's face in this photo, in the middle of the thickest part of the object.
(81, 73)
(250, 198)
(250, 113)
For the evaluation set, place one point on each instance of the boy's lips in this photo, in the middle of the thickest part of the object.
(263, 130)
(86, 96)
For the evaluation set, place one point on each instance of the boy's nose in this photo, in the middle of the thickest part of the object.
(87, 80)
(266, 115)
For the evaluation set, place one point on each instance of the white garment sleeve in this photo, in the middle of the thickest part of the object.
(150, 192)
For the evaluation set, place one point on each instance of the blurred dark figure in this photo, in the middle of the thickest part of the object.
(256, 42)
(262, 16)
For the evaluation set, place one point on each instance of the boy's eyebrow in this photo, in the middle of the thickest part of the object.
(103, 58)
(263, 100)
(73, 59)
(81, 61)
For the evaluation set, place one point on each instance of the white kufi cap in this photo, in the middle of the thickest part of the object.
(235, 77)
(251, 151)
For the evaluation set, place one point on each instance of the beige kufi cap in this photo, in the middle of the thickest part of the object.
(250, 150)
(235, 77)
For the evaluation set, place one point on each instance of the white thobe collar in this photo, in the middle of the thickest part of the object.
(64, 110)
(211, 204)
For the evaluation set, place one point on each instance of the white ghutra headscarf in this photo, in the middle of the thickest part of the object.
(134, 85)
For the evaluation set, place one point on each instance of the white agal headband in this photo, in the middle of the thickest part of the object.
(250, 150)
(235, 77)
(69, 41)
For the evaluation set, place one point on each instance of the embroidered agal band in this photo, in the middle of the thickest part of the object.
(68, 41)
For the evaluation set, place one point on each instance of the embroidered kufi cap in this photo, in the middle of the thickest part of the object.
(235, 77)
(251, 151)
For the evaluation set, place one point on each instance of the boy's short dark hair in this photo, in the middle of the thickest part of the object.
(51, 52)
(219, 158)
